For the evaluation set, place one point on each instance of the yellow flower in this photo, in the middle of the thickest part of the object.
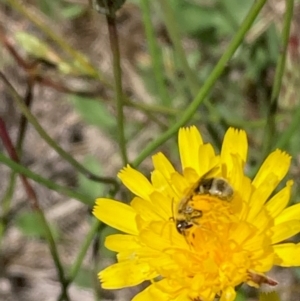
(229, 242)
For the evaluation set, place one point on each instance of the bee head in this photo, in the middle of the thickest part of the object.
(182, 225)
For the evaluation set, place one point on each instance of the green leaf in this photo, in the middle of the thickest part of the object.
(94, 112)
(49, 7)
(88, 187)
(30, 224)
(40, 50)
(236, 9)
(72, 11)
(36, 47)
(271, 296)
(240, 296)
(208, 22)
(194, 18)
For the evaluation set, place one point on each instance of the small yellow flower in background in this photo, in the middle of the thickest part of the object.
(199, 233)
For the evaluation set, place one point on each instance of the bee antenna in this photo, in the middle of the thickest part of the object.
(172, 218)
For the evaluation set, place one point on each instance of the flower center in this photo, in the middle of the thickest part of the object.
(223, 248)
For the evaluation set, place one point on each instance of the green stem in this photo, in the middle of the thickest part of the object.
(270, 130)
(45, 182)
(6, 200)
(34, 204)
(207, 86)
(293, 128)
(157, 109)
(84, 247)
(253, 124)
(155, 53)
(23, 121)
(190, 75)
(114, 45)
(96, 256)
(50, 141)
(54, 253)
(173, 29)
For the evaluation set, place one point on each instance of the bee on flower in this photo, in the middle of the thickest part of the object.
(187, 215)
(199, 233)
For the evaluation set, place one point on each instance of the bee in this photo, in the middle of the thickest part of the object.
(218, 187)
(187, 216)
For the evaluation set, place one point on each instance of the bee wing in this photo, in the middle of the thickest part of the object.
(187, 196)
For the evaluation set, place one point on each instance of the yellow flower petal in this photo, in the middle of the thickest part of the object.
(270, 174)
(136, 182)
(279, 201)
(277, 164)
(112, 213)
(140, 254)
(245, 189)
(162, 164)
(260, 196)
(145, 210)
(126, 273)
(160, 236)
(189, 140)
(209, 244)
(262, 221)
(228, 294)
(152, 293)
(183, 297)
(162, 291)
(287, 254)
(290, 213)
(234, 143)
(285, 230)
(180, 185)
(162, 206)
(161, 184)
(236, 178)
(190, 175)
(207, 159)
(121, 242)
